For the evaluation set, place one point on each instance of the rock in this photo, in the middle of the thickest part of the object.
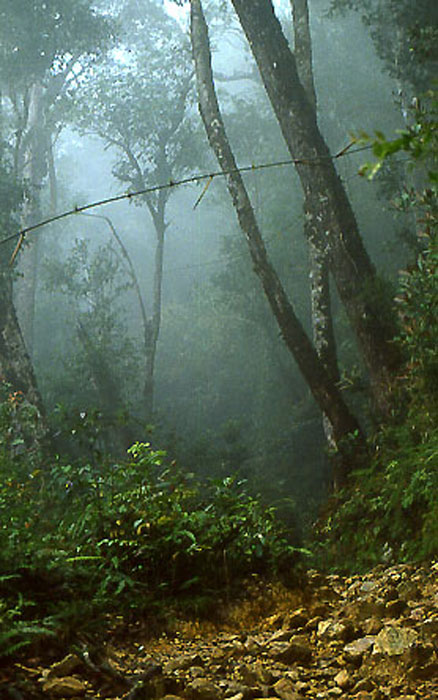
(202, 689)
(298, 618)
(238, 649)
(331, 629)
(365, 685)
(182, 663)
(64, 667)
(285, 689)
(407, 590)
(264, 675)
(372, 626)
(296, 650)
(354, 651)
(395, 608)
(248, 674)
(343, 679)
(426, 672)
(366, 607)
(67, 687)
(253, 646)
(393, 640)
(282, 635)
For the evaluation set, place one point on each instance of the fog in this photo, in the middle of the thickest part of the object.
(191, 354)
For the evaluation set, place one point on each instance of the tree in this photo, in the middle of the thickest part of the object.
(45, 47)
(15, 367)
(322, 322)
(330, 210)
(405, 36)
(139, 104)
(318, 378)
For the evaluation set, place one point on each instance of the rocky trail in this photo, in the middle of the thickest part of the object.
(367, 637)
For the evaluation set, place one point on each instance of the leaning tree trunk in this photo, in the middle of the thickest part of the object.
(322, 322)
(318, 379)
(329, 208)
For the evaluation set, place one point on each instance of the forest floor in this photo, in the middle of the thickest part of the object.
(367, 637)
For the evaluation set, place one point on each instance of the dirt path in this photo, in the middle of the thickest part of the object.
(367, 637)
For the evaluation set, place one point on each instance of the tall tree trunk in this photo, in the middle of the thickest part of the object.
(322, 322)
(153, 326)
(323, 388)
(32, 169)
(329, 208)
(15, 366)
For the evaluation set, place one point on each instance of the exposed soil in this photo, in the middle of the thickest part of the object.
(367, 637)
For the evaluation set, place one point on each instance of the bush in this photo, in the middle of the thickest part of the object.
(80, 541)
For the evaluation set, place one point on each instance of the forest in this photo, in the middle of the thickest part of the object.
(218, 315)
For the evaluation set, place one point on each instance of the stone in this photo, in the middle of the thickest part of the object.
(264, 675)
(202, 689)
(294, 651)
(182, 663)
(285, 689)
(395, 608)
(368, 586)
(367, 607)
(343, 679)
(354, 651)
(364, 684)
(298, 618)
(253, 646)
(332, 629)
(372, 626)
(67, 687)
(393, 640)
(407, 590)
(282, 635)
(234, 689)
(64, 667)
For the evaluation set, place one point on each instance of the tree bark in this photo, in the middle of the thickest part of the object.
(322, 387)
(329, 209)
(153, 326)
(31, 167)
(322, 321)
(15, 366)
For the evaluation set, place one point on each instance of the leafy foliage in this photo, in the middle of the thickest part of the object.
(39, 37)
(389, 511)
(80, 540)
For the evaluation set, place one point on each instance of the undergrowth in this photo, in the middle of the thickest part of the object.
(81, 541)
(389, 511)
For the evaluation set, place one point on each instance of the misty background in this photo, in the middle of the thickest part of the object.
(227, 396)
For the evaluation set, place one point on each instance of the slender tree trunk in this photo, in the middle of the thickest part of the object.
(15, 366)
(322, 322)
(32, 169)
(323, 388)
(329, 207)
(154, 323)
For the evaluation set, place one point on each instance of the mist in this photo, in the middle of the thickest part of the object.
(187, 347)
